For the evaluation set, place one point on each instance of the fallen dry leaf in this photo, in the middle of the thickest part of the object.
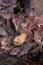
(24, 25)
(15, 51)
(19, 40)
(38, 35)
(6, 15)
(4, 43)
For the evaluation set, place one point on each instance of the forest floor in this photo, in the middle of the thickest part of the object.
(21, 35)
